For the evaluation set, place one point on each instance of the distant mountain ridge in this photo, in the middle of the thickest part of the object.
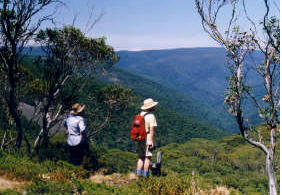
(199, 73)
(196, 72)
(196, 76)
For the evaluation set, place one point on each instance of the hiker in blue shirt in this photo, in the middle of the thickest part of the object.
(75, 125)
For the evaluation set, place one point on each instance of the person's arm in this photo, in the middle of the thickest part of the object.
(153, 124)
(82, 127)
(152, 133)
(64, 123)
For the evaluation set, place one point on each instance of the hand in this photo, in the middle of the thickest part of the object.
(151, 146)
(67, 132)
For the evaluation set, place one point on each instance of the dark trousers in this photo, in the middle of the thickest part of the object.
(77, 153)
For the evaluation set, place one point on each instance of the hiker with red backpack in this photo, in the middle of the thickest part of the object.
(142, 131)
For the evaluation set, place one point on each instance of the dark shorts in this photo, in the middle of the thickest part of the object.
(144, 150)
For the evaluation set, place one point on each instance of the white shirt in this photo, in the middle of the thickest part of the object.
(150, 121)
(75, 125)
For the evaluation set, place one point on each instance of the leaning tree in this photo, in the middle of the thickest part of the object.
(70, 62)
(246, 44)
(19, 21)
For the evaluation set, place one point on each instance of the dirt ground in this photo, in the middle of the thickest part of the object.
(9, 184)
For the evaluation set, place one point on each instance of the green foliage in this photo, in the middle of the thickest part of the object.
(197, 166)
(68, 56)
(173, 184)
(272, 28)
(58, 150)
(77, 187)
(71, 50)
(116, 161)
(198, 73)
(229, 162)
(171, 128)
(10, 192)
(22, 168)
(100, 98)
(19, 167)
(168, 97)
(50, 187)
(117, 96)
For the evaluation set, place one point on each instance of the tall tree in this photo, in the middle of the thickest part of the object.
(70, 55)
(16, 29)
(239, 44)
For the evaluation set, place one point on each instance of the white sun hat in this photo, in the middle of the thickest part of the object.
(149, 103)
(77, 108)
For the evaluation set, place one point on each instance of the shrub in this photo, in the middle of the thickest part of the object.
(54, 151)
(20, 168)
(50, 187)
(64, 171)
(10, 192)
(118, 161)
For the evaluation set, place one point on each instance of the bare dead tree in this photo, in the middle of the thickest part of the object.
(17, 27)
(238, 44)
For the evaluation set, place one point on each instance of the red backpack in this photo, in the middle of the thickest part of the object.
(138, 131)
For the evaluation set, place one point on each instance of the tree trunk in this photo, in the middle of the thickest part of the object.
(3, 140)
(45, 129)
(14, 113)
(13, 104)
(27, 145)
(271, 175)
(42, 137)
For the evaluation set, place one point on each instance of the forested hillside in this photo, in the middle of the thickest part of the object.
(197, 77)
(169, 98)
(171, 77)
(68, 98)
(172, 126)
(199, 73)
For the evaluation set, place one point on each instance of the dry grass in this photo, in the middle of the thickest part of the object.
(9, 184)
(219, 191)
(115, 179)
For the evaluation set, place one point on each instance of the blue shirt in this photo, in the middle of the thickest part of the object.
(75, 125)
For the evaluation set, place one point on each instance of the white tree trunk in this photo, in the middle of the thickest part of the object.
(271, 175)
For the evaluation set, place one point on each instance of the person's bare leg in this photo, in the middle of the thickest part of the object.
(140, 164)
(147, 163)
(146, 166)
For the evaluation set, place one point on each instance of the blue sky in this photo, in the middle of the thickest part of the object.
(146, 24)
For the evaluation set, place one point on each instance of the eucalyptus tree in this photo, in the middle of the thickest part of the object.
(69, 62)
(106, 105)
(19, 21)
(240, 43)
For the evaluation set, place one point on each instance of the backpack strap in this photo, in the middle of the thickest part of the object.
(145, 120)
(145, 114)
(78, 126)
